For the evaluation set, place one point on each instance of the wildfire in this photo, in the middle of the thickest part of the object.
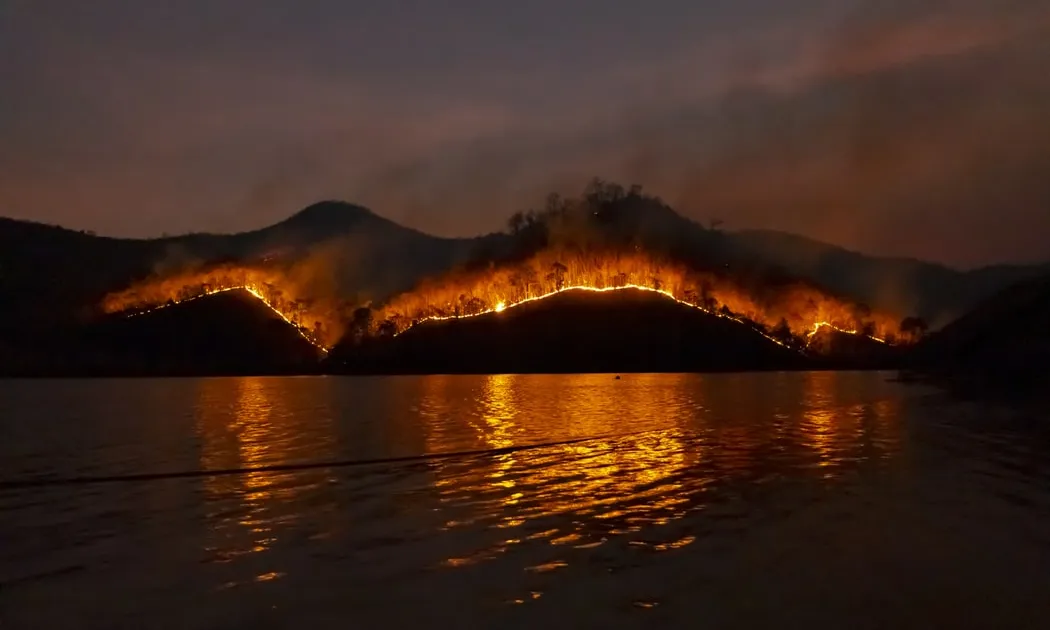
(269, 287)
(256, 293)
(788, 314)
(502, 306)
(819, 325)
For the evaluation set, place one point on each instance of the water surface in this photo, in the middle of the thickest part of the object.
(826, 499)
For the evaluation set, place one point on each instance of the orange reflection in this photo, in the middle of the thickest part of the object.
(246, 423)
(498, 417)
(620, 481)
(820, 415)
(656, 448)
(847, 417)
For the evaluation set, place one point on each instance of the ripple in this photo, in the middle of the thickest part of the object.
(665, 492)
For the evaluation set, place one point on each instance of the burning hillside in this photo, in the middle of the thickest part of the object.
(789, 314)
(574, 330)
(611, 238)
(233, 332)
(606, 240)
(317, 319)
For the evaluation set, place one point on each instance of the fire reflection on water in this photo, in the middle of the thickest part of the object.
(659, 454)
(243, 424)
(821, 420)
(619, 484)
(833, 430)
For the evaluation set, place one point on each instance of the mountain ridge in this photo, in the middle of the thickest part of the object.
(321, 212)
(43, 270)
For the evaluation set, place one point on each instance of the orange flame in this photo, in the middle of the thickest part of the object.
(803, 309)
(270, 287)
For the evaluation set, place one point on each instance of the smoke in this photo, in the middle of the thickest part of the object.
(897, 129)
(355, 268)
(911, 129)
(177, 257)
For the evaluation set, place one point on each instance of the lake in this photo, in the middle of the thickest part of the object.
(823, 500)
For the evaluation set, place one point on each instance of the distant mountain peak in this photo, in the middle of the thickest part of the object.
(331, 212)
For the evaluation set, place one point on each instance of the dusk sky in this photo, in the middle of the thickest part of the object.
(893, 127)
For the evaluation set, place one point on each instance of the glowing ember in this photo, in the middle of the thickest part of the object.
(255, 293)
(161, 294)
(819, 325)
(502, 306)
(789, 314)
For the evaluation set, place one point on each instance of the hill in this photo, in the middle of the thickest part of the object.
(1003, 344)
(575, 331)
(52, 278)
(936, 293)
(226, 333)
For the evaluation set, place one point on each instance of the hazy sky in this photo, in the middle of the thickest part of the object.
(890, 126)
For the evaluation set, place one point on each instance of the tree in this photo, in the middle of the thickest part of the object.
(594, 191)
(361, 324)
(298, 309)
(554, 205)
(707, 298)
(529, 279)
(914, 327)
(516, 223)
(270, 292)
(557, 275)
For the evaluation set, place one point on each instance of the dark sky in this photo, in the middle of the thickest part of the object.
(889, 126)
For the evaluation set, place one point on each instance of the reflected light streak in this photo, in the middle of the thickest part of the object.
(821, 417)
(245, 423)
(610, 486)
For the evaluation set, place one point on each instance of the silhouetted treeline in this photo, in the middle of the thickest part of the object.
(605, 215)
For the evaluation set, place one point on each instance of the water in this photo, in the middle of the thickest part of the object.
(722, 501)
